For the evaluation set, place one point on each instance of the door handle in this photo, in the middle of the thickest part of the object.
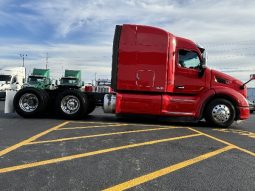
(180, 87)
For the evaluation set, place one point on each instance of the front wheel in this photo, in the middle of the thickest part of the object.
(71, 104)
(220, 112)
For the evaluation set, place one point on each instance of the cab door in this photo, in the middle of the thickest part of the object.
(188, 78)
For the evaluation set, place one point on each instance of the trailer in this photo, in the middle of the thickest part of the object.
(153, 73)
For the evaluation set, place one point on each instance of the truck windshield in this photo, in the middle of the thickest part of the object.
(69, 81)
(5, 78)
(35, 79)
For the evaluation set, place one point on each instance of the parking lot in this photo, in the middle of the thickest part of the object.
(103, 152)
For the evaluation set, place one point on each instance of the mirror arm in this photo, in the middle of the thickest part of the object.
(201, 72)
(242, 86)
(201, 69)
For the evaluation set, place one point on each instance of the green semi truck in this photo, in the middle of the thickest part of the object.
(71, 79)
(40, 78)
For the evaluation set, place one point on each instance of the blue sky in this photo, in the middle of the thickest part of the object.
(77, 34)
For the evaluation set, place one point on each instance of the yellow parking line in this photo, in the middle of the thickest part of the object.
(113, 125)
(92, 122)
(239, 132)
(109, 123)
(222, 130)
(22, 143)
(143, 125)
(245, 134)
(167, 170)
(88, 127)
(71, 157)
(100, 135)
(222, 141)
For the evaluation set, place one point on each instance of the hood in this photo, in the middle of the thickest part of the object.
(221, 79)
(2, 83)
(4, 86)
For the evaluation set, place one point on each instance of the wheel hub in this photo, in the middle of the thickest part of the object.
(70, 104)
(221, 113)
(28, 102)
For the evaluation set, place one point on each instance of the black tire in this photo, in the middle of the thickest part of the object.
(226, 113)
(49, 108)
(34, 93)
(80, 101)
(46, 95)
(91, 106)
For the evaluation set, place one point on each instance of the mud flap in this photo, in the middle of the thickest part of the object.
(8, 106)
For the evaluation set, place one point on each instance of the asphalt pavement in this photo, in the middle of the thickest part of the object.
(105, 152)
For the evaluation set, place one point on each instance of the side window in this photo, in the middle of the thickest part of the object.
(188, 59)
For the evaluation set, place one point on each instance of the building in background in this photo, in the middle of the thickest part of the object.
(251, 94)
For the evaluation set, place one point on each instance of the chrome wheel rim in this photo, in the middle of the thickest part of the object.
(70, 104)
(28, 102)
(221, 113)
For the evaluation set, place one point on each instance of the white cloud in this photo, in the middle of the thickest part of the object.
(226, 28)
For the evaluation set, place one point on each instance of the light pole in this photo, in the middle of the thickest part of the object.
(95, 78)
(23, 58)
(47, 57)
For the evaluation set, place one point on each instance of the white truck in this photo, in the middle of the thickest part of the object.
(11, 79)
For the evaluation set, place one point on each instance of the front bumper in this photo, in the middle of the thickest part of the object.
(2, 95)
(244, 113)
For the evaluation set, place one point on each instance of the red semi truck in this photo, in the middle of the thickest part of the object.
(154, 73)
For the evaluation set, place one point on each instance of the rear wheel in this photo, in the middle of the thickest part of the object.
(30, 102)
(220, 112)
(91, 106)
(72, 104)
